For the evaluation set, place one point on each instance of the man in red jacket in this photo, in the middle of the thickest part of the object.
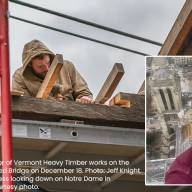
(180, 172)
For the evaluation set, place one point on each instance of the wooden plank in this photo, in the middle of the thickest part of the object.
(51, 77)
(127, 100)
(180, 32)
(110, 84)
(95, 114)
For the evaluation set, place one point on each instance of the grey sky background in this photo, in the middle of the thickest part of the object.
(147, 18)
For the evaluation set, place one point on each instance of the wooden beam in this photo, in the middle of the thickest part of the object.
(110, 84)
(45, 109)
(55, 150)
(127, 100)
(180, 32)
(51, 77)
(120, 100)
(179, 39)
(140, 158)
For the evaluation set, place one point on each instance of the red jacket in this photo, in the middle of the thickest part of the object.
(180, 172)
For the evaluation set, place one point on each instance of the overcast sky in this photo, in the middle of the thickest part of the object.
(147, 18)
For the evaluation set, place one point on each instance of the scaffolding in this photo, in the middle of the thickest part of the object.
(43, 140)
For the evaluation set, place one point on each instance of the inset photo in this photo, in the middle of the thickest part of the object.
(168, 120)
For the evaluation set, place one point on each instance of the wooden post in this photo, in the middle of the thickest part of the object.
(50, 77)
(110, 84)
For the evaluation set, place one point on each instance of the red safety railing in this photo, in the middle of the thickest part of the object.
(6, 136)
